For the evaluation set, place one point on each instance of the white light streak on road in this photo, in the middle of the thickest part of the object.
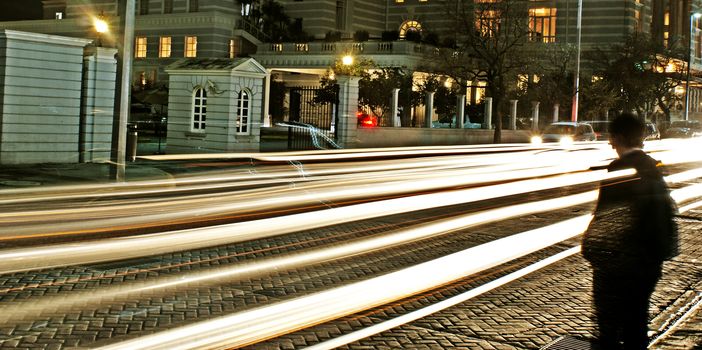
(249, 327)
(227, 274)
(24, 259)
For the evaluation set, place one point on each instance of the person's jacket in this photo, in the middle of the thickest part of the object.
(633, 224)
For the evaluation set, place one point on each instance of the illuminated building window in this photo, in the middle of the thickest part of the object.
(408, 26)
(167, 6)
(399, 1)
(487, 22)
(199, 115)
(190, 46)
(59, 15)
(423, 0)
(164, 49)
(242, 112)
(140, 49)
(542, 25)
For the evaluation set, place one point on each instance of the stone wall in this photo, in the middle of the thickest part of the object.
(41, 85)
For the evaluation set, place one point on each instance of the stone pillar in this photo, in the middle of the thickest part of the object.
(97, 104)
(348, 105)
(428, 109)
(555, 112)
(266, 118)
(460, 111)
(513, 114)
(535, 115)
(394, 110)
(488, 113)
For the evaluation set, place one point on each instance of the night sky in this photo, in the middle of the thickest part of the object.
(13, 10)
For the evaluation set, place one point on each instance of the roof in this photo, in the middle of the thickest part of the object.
(222, 65)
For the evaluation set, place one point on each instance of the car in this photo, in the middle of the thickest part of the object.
(366, 121)
(652, 132)
(565, 133)
(683, 129)
(601, 128)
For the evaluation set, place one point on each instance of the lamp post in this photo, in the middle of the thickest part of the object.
(101, 27)
(574, 106)
(693, 16)
(125, 45)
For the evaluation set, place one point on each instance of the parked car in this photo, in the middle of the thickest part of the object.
(566, 132)
(684, 128)
(652, 132)
(601, 128)
(366, 121)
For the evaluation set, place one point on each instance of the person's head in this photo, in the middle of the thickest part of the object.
(626, 132)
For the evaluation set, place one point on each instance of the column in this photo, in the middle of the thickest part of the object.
(513, 114)
(460, 111)
(348, 105)
(555, 112)
(428, 108)
(488, 113)
(266, 100)
(394, 110)
(535, 115)
(97, 104)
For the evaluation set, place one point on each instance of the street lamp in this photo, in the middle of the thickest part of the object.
(693, 16)
(574, 106)
(101, 27)
(347, 60)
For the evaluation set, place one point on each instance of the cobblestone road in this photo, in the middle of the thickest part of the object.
(526, 314)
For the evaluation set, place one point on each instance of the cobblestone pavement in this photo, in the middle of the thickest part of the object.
(526, 314)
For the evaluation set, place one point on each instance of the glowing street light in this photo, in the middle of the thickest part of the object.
(101, 27)
(693, 17)
(347, 60)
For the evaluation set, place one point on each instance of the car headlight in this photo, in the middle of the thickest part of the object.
(536, 140)
(566, 140)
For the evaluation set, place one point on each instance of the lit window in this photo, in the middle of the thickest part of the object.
(423, 0)
(199, 109)
(190, 46)
(408, 26)
(167, 6)
(140, 51)
(487, 22)
(242, 113)
(193, 5)
(233, 45)
(399, 1)
(542, 25)
(245, 9)
(164, 49)
(59, 15)
(666, 19)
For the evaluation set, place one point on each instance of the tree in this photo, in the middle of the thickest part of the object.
(374, 88)
(644, 72)
(444, 97)
(490, 36)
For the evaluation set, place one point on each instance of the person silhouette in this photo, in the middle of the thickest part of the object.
(632, 233)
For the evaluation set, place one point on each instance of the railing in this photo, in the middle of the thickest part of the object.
(341, 47)
(246, 25)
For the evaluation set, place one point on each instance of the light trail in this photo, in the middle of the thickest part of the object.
(442, 305)
(227, 274)
(24, 259)
(252, 326)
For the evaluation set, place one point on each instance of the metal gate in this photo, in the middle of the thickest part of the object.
(312, 125)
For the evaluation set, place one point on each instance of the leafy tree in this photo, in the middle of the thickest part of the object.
(554, 83)
(444, 97)
(490, 36)
(644, 72)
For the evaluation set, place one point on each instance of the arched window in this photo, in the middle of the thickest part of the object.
(243, 108)
(199, 115)
(408, 26)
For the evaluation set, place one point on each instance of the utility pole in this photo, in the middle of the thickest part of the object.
(123, 86)
(576, 92)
